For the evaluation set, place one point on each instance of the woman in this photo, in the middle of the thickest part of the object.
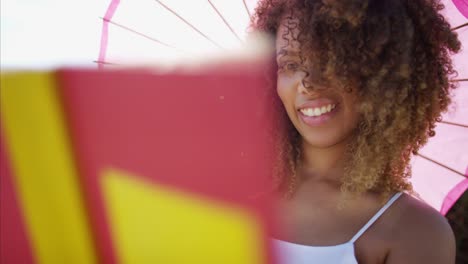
(363, 84)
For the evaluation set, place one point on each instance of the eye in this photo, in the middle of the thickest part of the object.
(288, 66)
(292, 66)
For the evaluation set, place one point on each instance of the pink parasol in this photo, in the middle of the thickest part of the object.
(157, 30)
(440, 170)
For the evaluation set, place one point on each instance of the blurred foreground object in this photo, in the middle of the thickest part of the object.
(132, 166)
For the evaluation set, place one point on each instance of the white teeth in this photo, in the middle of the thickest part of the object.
(318, 111)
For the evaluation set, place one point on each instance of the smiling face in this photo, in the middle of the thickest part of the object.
(325, 116)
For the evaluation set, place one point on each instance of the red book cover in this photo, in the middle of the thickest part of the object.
(190, 150)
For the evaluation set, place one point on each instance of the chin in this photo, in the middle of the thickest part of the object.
(325, 140)
(320, 143)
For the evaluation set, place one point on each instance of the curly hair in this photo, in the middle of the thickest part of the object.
(396, 53)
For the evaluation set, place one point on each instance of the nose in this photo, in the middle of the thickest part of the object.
(302, 89)
(307, 88)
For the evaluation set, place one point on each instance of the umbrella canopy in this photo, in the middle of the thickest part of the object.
(440, 170)
(156, 31)
(159, 31)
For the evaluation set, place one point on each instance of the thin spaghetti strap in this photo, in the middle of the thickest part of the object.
(375, 217)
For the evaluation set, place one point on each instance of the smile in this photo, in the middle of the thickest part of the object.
(317, 116)
(317, 111)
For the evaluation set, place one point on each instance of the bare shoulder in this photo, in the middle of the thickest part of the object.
(422, 235)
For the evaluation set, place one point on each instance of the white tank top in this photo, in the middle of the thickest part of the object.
(291, 253)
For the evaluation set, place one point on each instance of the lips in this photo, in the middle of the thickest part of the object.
(317, 103)
(312, 112)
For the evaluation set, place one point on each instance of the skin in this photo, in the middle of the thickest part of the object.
(408, 232)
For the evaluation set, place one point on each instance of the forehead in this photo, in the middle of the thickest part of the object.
(286, 35)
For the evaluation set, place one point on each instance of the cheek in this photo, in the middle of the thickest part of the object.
(287, 97)
(286, 89)
(281, 93)
(352, 114)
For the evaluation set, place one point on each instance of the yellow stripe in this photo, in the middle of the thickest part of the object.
(46, 179)
(156, 224)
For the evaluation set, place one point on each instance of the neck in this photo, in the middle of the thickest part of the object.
(322, 164)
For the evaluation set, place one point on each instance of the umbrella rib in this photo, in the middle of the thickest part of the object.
(105, 63)
(224, 20)
(442, 165)
(460, 26)
(453, 124)
(188, 24)
(459, 80)
(247, 9)
(139, 33)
